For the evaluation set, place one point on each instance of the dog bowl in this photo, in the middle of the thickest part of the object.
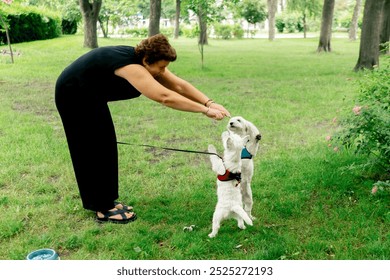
(43, 254)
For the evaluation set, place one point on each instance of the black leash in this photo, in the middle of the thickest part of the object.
(171, 149)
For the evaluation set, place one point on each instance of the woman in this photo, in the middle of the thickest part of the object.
(109, 74)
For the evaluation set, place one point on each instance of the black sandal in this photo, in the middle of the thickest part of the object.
(108, 214)
(124, 207)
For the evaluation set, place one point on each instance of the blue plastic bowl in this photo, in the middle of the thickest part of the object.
(43, 254)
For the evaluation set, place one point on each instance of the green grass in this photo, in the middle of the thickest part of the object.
(308, 204)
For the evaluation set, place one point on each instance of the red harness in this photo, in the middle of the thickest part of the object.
(228, 176)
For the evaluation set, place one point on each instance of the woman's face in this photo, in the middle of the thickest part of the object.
(156, 69)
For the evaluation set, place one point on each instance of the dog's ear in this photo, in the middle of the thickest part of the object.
(258, 137)
(251, 129)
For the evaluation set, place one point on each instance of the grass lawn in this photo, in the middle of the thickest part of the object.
(309, 202)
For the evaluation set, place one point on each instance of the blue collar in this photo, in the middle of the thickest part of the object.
(245, 154)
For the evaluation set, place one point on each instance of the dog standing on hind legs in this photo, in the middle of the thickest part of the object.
(245, 128)
(229, 203)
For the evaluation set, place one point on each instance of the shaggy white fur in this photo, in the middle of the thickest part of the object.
(245, 128)
(229, 203)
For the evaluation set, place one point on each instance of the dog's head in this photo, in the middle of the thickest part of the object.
(242, 127)
(238, 126)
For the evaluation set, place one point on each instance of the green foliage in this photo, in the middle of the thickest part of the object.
(289, 23)
(225, 31)
(136, 32)
(253, 11)
(29, 23)
(69, 26)
(307, 8)
(190, 32)
(209, 10)
(238, 31)
(367, 128)
(345, 21)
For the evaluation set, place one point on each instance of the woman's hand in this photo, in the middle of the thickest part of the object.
(216, 114)
(220, 108)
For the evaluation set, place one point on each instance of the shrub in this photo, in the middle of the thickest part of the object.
(28, 24)
(367, 128)
(238, 31)
(168, 31)
(279, 24)
(289, 23)
(136, 32)
(69, 26)
(190, 32)
(223, 31)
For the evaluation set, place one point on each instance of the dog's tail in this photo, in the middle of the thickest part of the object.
(241, 212)
(216, 162)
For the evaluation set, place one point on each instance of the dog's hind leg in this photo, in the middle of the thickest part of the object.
(242, 214)
(240, 222)
(247, 199)
(217, 218)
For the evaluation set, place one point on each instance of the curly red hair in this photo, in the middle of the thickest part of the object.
(155, 48)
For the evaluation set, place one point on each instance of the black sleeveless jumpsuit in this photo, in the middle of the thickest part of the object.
(81, 95)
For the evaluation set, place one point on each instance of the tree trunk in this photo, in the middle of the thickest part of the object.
(369, 42)
(103, 28)
(155, 14)
(384, 36)
(90, 12)
(272, 7)
(354, 23)
(202, 33)
(202, 28)
(8, 39)
(326, 26)
(177, 19)
(304, 26)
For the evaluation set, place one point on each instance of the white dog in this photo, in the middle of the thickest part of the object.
(245, 128)
(229, 203)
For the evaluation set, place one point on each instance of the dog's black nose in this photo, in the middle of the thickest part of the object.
(231, 124)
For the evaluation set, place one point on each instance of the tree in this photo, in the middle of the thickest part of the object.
(90, 10)
(326, 26)
(154, 19)
(253, 11)
(272, 7)
(308, 8)
(7, 32)
(384, 36)
(354, 23)
(177, 19)
(369, 42)
(109, 8)
(206, 11)
(201, 8)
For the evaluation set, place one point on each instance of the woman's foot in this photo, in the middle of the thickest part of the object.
(121, 206)
(115, 215)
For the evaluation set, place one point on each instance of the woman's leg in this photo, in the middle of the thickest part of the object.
(92, 144)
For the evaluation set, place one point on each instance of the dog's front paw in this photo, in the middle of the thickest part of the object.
(212, 149)
(212, 235)
(242, 226)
